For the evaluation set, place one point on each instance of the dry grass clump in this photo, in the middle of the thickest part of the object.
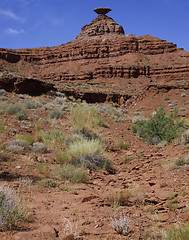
(12, 209)
(53, 138)
(180, 232)
(119, 198)
(85, 116)
(122, 145)
(47, 182)
(71, 173)
(88, 153)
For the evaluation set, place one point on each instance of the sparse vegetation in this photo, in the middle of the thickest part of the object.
(43, 168)
(88, 153)
(12, 209)
(2, 127)
(57, 114)
(26, 137)
(161, 126)
(121, 224)
(85, 116)
(122, 145)
(52, 138)
(180, 232)
(17, 110)
(119, 198)
(71, 173)
(17, 146)
(48, 182)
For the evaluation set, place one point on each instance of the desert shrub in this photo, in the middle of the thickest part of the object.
(88, 153)
(26, 137)
(48, 182)
(39, 147)
(84, 147)
(85, 116)
(30, 105)
(17, 110)
(95, 162)
(12, 209)
(180, 162)
(121, 224)
(61, 157)
(43, 168)
(57, 114)
(122, 145)
(52, 138)
(71, 173)
(161, 126)
(17, 146)
(177, 233)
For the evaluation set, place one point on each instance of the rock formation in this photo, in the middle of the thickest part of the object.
(102, 55)
(102, 27)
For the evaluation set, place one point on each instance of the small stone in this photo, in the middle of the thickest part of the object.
(164, 195)
(69, 237)
(185, 138)
(3, 92)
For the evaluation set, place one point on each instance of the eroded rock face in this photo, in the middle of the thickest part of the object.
(100, 53)
(23, 85)
(101, 27)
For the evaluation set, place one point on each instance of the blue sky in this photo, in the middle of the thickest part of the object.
(39, 23)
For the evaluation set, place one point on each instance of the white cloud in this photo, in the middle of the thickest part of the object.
(12, 31)
(10, 14)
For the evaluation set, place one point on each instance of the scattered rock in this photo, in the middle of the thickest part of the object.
(185, 138)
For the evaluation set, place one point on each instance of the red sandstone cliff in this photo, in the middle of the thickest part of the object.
(101, 53)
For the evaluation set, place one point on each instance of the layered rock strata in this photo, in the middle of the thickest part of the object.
(100, 53)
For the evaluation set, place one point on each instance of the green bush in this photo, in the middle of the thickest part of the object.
(161, 126)
(71, 173)
(26, 137)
